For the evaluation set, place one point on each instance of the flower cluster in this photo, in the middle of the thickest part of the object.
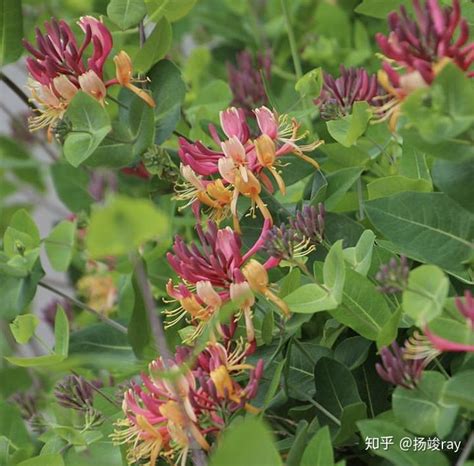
(393, 277)
(398, 368)
(417, 49)
(59, 69)
(246, 83)
(215, 272)
(176, 404)
(353, 85)
(299, 238)
(216, 178)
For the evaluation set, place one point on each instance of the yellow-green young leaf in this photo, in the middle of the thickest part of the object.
(22, 221)
(319, 450)
(123, 225)
(308, 299)
(246, 442)
(334, 272)
(347, 130)
(23, 327)
(126, 13)
(427, 291)
(61, 348)
(59, 245)
(310, 84)
(360, 256)
(11, 31)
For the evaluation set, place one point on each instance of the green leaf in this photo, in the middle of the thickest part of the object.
(336, 391)
(427, 227)
(431, 417)
(310, 84)
(23, 222)
(444, 109)
(458, 390)
(11, 31)
(126, 13)
(23, 327)
(72, 186)
(363, 308)
(454, 179)
(172, 9)
(380, 8)
(298, 444)
(427, 291)
(274, 384)
(259, 446)
(123, 225)
(51, 460)
(168, 90)
(61, 335)
(389, 185)
(374, 428)
(319, 450)
(334, 272)
(390, 329)
(90, 124)
(309, 299)
(155, 48)
(339, 182)
(347, 130)
(352, 352)
(59, 245)
(12, 425)
(360, 256)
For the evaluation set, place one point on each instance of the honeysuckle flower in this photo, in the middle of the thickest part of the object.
(338, 95)
(441, 344)
(212, 274)
(393, 277)
(246, 81)
(216, 178)
(163, 412)
(99, 290)
(309, 223)
(58, 68)
(397, 369)
(75, 392)
(417, 49)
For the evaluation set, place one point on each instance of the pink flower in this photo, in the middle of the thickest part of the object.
(213, 273)
(466, 308)
(241, 164)
(163, 413)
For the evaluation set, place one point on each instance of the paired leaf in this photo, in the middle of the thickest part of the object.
(59, 245)
(24, 327)
(11, 31)
(126, 13)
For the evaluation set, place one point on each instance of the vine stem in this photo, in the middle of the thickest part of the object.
(158, 331)
(466, 451)
(84, 306)
(18, 91)
(292, 41)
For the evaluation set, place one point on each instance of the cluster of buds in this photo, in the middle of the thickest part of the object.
(58, 68)
(338, 95)
(299, 238)
(27, 403)
(393, 277)
(215, 272)
(466, 309)
(398, 367)
(178, 404)
(216, 179)
(417, 49)
(246, 83)
(75, 392)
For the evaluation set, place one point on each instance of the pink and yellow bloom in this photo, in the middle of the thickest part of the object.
(215, 272)
(417, 49)
(58, 68)
(175, 404)
(241, 164)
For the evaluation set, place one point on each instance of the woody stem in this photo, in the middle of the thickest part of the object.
(17, 90)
